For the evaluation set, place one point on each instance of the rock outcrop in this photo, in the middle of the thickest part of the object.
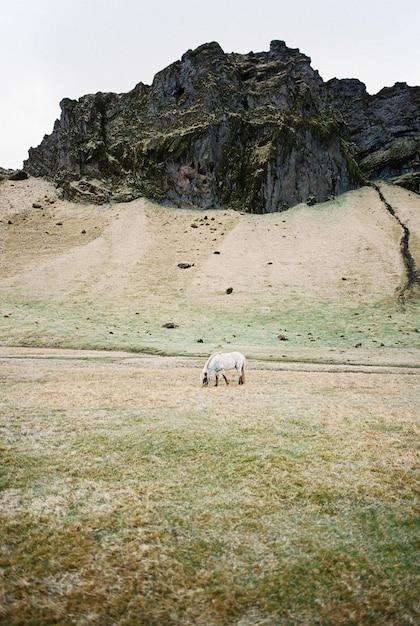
(8, 174)
(257, 132)
(384, 129)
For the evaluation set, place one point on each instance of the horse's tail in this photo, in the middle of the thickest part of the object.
(243, 372)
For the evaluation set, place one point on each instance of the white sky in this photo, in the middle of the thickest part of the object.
(52, 49)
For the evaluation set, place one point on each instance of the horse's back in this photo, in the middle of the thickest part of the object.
(218, 361)
(237, 359)
(226, 360)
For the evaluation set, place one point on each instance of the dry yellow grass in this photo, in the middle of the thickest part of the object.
(131, 495)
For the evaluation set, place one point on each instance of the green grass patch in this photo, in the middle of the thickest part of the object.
(280, 331)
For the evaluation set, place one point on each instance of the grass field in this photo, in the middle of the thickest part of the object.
(132, 496)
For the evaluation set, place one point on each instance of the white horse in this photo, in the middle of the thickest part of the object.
(220, 362)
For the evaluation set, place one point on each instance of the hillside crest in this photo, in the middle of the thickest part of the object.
(258, 132)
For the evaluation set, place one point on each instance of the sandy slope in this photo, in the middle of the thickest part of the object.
(308, 251)
(72, 268)
(137, 246)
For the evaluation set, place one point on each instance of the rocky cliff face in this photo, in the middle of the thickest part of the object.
(257, 132)
(384, 129)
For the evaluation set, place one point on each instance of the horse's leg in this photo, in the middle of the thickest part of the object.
(242, 374)
(217, 378)
(226, 380)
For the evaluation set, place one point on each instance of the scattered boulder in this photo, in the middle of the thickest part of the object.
(185, 266)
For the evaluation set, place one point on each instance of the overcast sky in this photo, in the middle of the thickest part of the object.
(52, 49)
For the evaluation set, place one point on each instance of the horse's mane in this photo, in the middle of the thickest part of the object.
(211, 357)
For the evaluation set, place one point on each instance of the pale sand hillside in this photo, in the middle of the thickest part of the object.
(318, 283)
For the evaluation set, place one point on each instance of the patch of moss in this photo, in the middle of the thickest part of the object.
(356, 176)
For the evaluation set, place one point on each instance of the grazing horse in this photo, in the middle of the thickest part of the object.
(220, 362)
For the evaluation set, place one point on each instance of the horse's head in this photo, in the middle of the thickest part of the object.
(204, 379)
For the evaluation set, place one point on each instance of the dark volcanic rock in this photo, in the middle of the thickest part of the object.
(18, 175)
(257, 132)
(385, 128)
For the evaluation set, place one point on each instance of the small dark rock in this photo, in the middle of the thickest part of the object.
(229, 290)
(36, 205)
(185, 266)
(282, 337)
(170, 325)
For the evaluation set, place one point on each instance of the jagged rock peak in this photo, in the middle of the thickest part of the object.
(210, 49)
(279, 50)
(258, 132)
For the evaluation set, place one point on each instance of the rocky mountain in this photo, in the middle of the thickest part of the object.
(258, 132)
